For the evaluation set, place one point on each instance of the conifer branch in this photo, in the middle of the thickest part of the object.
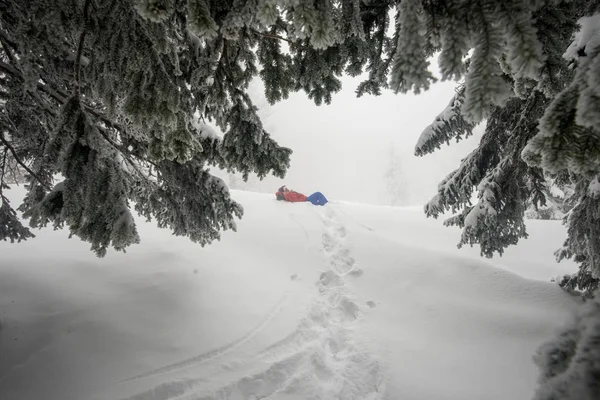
(13, 170)
(3, 170)
(5, 45)
(271, 36)
(6, 165)
(80, 47)
(4, 36)
(61, 97)
(9, 69)
(20, 162)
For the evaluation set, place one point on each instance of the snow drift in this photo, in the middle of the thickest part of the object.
(344, 301)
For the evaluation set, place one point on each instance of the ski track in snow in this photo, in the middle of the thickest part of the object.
(293, 218)
(366, 227)
(321, 360)
(218, 352)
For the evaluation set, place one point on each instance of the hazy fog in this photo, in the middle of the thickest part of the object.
(343, 149)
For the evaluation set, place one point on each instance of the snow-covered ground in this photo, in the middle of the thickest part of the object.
(345, 301)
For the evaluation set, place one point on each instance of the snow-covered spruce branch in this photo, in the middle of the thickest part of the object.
(12, 150)
(3, 168)
(503, 181)
(61, 98)
(270, 35)
(57, 94)
(12, 168)
(449, 124)
(6, 46)
(80, 44)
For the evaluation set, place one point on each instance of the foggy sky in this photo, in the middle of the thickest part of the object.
(343, 149)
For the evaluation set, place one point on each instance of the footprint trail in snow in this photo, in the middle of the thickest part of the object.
(322, 359)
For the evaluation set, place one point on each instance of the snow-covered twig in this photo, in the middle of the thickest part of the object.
(80, 47)
(21, 163)
(270, 35)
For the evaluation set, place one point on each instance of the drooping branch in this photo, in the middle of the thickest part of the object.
(3, 169)
(4, 37)
(271, 36)
(12, 169)
(5, 42)
(20, 162)
(60, 96)
(9, 69)
(80, 47)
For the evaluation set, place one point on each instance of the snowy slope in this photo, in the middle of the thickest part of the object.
(345, 301)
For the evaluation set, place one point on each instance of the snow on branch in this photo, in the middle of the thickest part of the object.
(449, 124)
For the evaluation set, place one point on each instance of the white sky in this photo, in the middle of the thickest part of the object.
(343, 149)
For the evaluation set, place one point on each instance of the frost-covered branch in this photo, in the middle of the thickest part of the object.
(12, 150)
(62, 98)
(3, 170)
(5, 42)
(270, 36)
(450, 123)
(501, 179)
(10, 69)
(80, 45)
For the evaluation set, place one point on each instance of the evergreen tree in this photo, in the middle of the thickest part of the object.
(538, 138)
(103, 96)
(396, 190)
(505, 183)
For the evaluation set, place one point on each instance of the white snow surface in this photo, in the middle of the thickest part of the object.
(345, 301)
(587, 37)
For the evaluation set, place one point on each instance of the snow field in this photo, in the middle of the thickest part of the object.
(344, 301)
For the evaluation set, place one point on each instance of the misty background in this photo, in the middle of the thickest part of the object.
(346, 149)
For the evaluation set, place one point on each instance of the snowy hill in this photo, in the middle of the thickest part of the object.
(345, 301)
